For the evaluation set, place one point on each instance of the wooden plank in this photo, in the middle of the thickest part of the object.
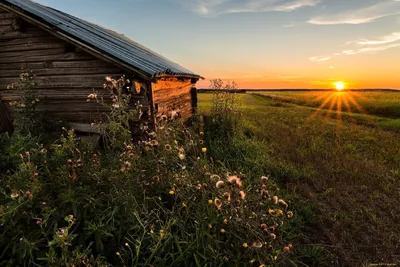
(84, 127)
(6, 21)
(81, 64)
(32, 53)
(59, 57)
(30, 40)
(16, 35)
(21, 66)
(59, 71)
(24, 48)
(6, 16)
(72, 81)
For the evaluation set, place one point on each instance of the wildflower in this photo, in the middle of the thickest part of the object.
(264, 193)
(204, 150)
(279, 212)
(71, 218)
(181, 155)
(210, 226)
(245, 245)
(222, 230)
(154, 142)
(147, 148)
(264, 179)
(234, 180)
(38, 222)
(271, 229)
(14, 195)
(272, 236)
(202, 133)
(108, 79)
(21, 239)
(263, 226)
(218, 203)
(28, 154)
(118, 254)
(214, 177)
(172, 192)
(184, 205)
(156, 178)
(225, 221)
(162, 233)
(286, 249)
(251, 261)
(283, 203)
(270, 211)
(131, 155)
(210, 201)
(289, 214)
(275, 200)
(242, 194)
(168, 147)
(257, 244)
(126, 245)
(199, 186)
(220, 184)
(36, 174)
(44, 203)
(227, 196)
(61, 232)
(27, 193)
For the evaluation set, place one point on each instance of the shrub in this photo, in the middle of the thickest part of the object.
(28, 121)
(225, 108)
(160, 201)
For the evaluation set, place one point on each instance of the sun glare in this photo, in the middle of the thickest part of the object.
(339, 85)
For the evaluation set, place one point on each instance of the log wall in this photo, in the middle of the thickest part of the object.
(172, 94)
(65, 75)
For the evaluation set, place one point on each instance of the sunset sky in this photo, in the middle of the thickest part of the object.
(262, 43)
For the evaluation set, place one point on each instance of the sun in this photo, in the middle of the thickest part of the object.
(339, 85)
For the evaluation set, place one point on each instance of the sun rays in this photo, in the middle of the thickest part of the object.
(336, 103)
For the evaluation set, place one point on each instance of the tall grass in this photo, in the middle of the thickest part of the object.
(340, 176)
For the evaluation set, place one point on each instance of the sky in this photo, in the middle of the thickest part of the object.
(262, 43)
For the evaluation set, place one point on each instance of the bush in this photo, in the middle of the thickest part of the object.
(225, 109)
(157, 202)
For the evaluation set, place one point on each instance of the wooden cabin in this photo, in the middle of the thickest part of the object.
(71, 57)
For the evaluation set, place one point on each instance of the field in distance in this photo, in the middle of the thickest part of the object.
(381, 109)
(338, 158)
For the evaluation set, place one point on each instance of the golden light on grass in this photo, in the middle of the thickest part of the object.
(339, 85)
(337, 103)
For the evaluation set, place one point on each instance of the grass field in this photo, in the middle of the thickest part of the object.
(340, 169)
(379, 108)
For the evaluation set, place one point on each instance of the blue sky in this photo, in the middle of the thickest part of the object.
(262, 43)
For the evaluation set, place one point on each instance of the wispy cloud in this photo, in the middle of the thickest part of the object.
(391, 38)
(372, 49)
(362, 15)
(366, 46)
(289, 25)
(218, 7)
(319, 59)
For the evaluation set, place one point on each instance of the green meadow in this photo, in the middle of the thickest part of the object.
(338, 167)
